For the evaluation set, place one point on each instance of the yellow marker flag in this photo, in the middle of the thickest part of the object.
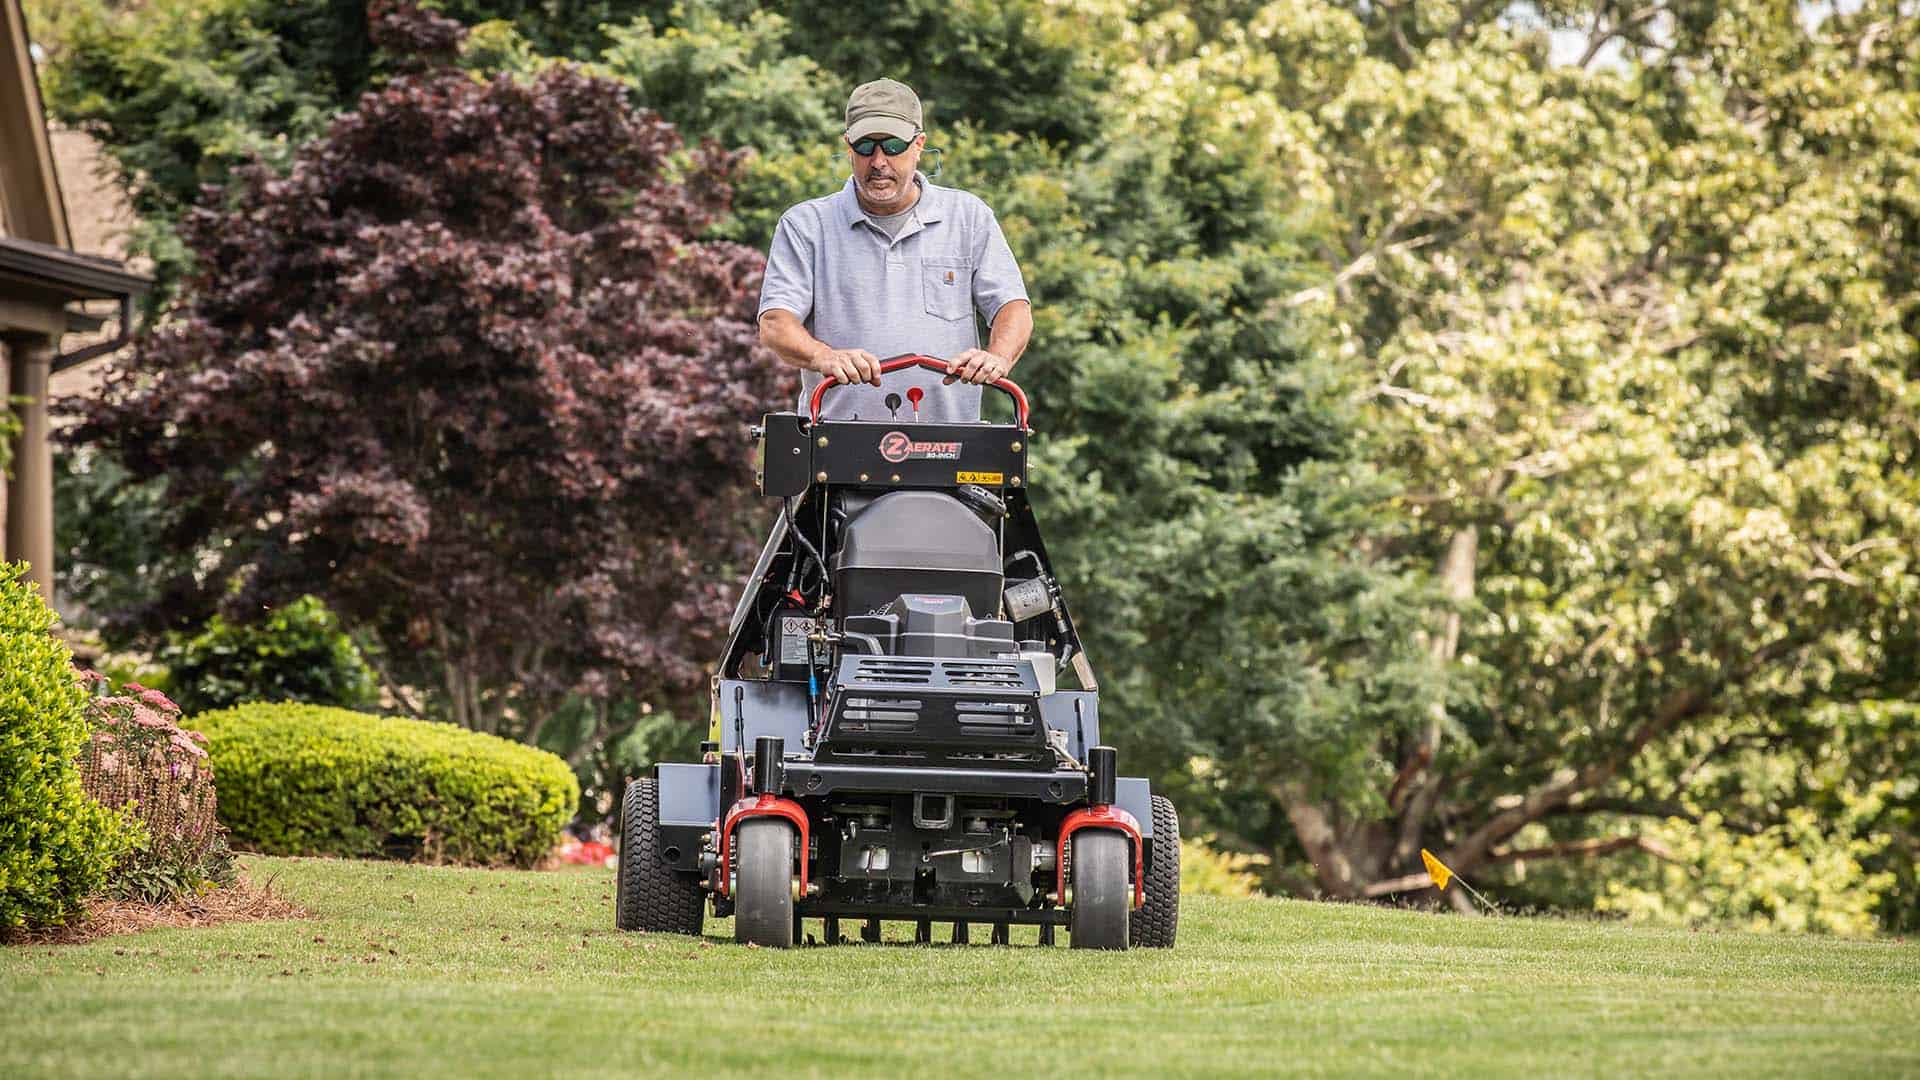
(1441, 875)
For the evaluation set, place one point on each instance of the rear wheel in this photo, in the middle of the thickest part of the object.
(1154, 925)
(1102, 895)
(649, 894)
(763, 883)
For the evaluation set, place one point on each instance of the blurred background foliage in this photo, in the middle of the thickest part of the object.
(1474, 426)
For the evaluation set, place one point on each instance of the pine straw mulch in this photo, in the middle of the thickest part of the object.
(103, 917)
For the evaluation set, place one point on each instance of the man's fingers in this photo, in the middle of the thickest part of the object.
(982, 367)
(849, 366)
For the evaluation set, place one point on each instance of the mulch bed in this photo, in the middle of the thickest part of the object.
(243, 902)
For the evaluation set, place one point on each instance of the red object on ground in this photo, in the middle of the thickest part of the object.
(585, 853)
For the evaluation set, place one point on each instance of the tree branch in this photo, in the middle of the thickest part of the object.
(393, 686)
(1679, 706)
(1587, 849)
(1331, 865)
(1409, 883)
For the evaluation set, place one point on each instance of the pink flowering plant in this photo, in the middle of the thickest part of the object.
(141, 760)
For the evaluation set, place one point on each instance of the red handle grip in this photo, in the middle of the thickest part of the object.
(895, 363)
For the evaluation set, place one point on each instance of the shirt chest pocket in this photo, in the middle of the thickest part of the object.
(949, 287)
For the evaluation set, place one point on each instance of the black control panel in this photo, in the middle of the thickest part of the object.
(794, 454)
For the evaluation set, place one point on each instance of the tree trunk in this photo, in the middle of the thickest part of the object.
(1421, 785)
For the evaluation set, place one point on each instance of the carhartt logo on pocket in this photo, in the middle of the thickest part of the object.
(949, 277)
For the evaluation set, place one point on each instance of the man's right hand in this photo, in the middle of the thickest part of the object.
(848, 366)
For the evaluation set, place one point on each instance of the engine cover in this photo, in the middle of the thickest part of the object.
(915, 543)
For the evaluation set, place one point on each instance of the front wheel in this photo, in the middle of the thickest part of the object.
(763, 883)
(1102, 895)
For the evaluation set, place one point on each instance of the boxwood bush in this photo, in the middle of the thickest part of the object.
(313, 780)
(297, 652)
(57, 844)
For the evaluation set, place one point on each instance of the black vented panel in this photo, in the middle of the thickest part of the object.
(883, 716)
(888, 671)
(1004, 717)
(995, 674)
(945, 711)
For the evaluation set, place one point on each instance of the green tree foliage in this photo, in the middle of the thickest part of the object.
(57, 845)
(181, 92)
(518, 507)
(114, 566)
(1642, 337)
(9, 431)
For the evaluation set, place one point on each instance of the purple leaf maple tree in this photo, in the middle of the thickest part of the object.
(467, 372)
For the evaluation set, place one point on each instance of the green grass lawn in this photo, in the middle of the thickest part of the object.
(410, 970)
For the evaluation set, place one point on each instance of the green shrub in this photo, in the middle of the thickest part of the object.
(296, 653)
(1207, 871)
(56, 844)
(311, 780)
(9, 427)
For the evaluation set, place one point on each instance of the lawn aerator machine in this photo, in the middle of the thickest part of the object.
(889, 740)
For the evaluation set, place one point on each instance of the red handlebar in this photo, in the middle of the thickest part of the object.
(895, 363)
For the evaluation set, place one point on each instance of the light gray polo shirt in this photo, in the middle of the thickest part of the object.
(854, 287)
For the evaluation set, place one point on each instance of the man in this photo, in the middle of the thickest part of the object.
(893, 264)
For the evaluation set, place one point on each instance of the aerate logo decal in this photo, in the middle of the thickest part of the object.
(896, 446)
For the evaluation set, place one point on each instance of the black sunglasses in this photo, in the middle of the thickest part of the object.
(893, 145)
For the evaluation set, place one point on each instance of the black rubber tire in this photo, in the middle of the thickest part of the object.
(1155, 924)
(648, 893)
(763, 883)
(1102, 893)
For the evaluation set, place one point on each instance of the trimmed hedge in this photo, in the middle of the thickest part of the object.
(57, 845)
(313, 780)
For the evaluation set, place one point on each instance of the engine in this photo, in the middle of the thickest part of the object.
(912, 570)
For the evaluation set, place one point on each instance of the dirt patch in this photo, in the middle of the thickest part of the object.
(244, 902)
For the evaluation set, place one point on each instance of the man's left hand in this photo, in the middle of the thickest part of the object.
(978, 366)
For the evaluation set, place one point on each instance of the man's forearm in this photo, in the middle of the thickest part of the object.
(1012, 329)
(782, 332)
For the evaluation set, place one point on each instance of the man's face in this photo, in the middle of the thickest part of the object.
(885, 182)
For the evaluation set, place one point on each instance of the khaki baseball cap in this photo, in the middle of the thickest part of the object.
(883, 107)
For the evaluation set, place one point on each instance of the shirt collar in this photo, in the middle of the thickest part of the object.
(931, 207)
